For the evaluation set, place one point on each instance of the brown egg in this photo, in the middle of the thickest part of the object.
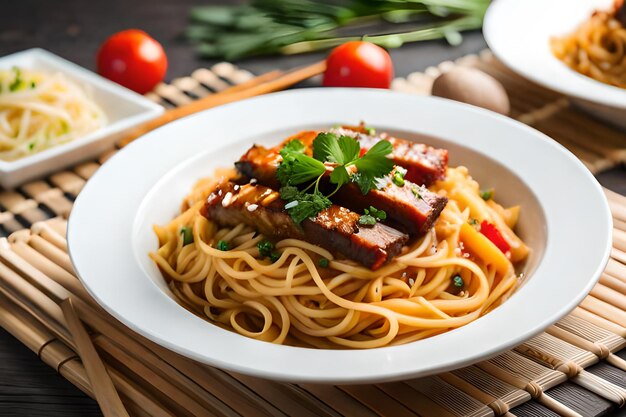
(472, 86)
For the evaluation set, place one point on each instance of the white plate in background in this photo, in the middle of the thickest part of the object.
(565, 219)
(124, 109)
(519, 32)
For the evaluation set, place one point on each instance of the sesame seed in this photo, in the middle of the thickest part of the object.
(252, 207)
(227, 199)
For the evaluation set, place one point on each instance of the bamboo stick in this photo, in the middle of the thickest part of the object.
(100, 381)
(604, 309)
(256, 86)
(183, 373)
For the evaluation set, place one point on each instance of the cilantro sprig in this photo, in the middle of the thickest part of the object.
(338, 155)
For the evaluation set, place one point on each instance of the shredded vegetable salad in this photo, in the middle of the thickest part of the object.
(39, 110)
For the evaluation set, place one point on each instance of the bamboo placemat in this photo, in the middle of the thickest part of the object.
(577, 367)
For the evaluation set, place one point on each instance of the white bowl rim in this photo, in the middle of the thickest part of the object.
(148, 311)
(499, 28)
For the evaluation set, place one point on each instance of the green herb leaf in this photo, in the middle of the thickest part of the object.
(297, 168)
(375, 162)
(289, 193)
(370, 130)
(307, 204)
(293, 146)
(323, 262)
(265, 248)
(340, 176)
(223, 245)
(381, 148)
(187, 235)
(274, 256)
(487, 194)
(350, 149)
(364, 181)
(326, 148)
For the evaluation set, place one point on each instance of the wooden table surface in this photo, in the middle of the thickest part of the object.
(74, 29)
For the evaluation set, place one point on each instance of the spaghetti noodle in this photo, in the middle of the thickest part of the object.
(597, 48)
(295, 301)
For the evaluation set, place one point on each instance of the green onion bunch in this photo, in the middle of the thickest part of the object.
(266, 27)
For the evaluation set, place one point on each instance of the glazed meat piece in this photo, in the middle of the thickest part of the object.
(336, 228)
(424, 164)
(261, 164)
(412, 208)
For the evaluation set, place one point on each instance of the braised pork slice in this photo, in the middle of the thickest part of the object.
(424, 164)
(411, 207)
(336, 228)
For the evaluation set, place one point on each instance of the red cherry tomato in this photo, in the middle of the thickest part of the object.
(133, 59)
(358, 64)
(494, 235)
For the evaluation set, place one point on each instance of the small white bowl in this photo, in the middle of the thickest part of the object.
(124, 109)
(519, 33)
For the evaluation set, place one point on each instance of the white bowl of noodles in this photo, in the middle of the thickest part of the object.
(54, 113)
(110, 237)
(522, 35)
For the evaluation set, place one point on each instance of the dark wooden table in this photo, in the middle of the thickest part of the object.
(74, 29)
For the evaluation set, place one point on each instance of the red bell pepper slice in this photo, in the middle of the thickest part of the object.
(494, 235)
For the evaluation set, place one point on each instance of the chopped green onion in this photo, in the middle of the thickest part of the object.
(370, 130)
(367, 220)
(223, 245)
(371, 216)
(487, 194)
(416, 193)
(17, 82)
(398, 179)
(457, 285)
(323, 262)
(186, 232)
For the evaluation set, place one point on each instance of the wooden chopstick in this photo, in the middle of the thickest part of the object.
(101, 384)
(28, 329)
(263, 84)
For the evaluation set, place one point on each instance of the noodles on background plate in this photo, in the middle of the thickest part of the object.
(305, 295)
(597, 48)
